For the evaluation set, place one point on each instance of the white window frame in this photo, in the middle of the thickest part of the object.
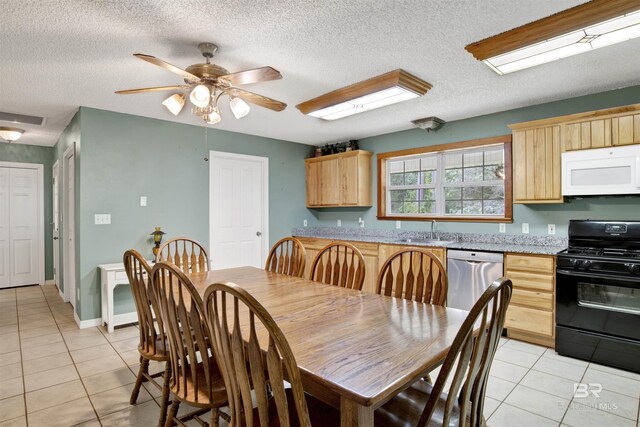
(440, 185)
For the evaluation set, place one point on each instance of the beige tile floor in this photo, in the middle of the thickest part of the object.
(54, 374)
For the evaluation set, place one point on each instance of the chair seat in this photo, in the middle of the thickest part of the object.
(405, 409)
(156, 350)
(199, 396)
(321, 414)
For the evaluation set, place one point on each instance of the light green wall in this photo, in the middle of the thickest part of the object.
(125, 157)
(20, 153)
(538, 216)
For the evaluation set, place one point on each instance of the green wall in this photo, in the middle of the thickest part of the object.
(125, 157)
(538, 216)
(20, 153)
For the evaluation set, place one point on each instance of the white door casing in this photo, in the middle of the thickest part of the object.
(68, 218)
(56, 222)
(21, 224)
(238, 210)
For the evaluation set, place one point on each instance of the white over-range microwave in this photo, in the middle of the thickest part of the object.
(601, 171)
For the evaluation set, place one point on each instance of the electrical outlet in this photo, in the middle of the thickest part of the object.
(551, 228)
(398, 224)
(339, 223)
(502, 228)
(102, 219)
(143, 200)
(304, 223)
(525, 228)
(362, 224)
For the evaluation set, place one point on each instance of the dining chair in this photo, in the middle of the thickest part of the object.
(186, 254)
(153, 343)
(414, 274)
(287, 257)
(241, 328)
(195, 377)
(468, 363)
(339, 264)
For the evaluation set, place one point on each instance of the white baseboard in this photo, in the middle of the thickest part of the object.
(50, 282)
(61, 293)
(83, 324)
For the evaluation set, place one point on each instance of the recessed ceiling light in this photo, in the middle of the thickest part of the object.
(586, 27)
(386, 89)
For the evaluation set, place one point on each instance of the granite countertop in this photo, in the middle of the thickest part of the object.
(543, 245)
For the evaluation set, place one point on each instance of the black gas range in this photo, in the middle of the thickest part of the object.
(598, 293)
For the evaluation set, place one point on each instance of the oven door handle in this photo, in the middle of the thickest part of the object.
(595, 275)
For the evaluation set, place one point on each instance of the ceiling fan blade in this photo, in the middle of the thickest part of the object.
(256, 99)
(152, 89)
(256, 75)
(166, 66)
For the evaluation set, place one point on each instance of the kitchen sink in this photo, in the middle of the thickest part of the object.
(426, 241)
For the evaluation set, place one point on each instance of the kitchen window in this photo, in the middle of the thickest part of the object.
(467, 181)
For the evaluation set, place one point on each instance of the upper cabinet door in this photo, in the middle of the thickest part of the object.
(313, 183)
(587, 134)
(536, 165)
(625, 130)
(330, 182)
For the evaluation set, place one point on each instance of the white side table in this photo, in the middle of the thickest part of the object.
(112, 276)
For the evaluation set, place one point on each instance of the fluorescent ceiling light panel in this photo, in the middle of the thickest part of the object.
(390, 88)
(577, 30)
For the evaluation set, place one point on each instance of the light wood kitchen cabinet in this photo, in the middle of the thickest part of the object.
(339, 180)
(587, 134)
(536, 165)
(625, 130)
(531, 313)
(385, 251)
(313, 246)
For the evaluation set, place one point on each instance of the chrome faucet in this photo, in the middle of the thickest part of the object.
(434, 229)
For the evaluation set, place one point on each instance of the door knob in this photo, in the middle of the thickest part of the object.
(55, 238)
(258, 233)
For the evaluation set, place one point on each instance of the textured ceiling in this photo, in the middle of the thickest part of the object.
(59, 55)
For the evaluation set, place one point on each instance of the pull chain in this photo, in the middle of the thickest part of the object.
(206, 143)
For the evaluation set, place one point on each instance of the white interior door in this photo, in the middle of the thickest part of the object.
(23, 219)
(238, 210)
(5, 264)
(56, 222)
(69, 227)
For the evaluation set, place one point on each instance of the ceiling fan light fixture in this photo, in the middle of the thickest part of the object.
(10, 134)
(239, 108)
(175, 103)
(213, 117)
(586, 27)
(200, 96)
(386, 89)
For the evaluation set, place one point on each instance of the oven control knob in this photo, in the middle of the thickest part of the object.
(585, 264)
(573, 262)
(633, 268)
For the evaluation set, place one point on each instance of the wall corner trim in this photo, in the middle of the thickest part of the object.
(83, 324)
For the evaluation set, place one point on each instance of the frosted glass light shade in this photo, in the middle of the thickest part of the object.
(239, 107)
(200, 96)
(213, 117)
(10, 134)
(175, 103)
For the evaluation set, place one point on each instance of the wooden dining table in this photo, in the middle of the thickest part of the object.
(355, 350)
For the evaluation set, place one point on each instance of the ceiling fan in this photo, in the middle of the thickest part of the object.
(207, 83)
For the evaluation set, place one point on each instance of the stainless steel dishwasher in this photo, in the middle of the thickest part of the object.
(470, 273)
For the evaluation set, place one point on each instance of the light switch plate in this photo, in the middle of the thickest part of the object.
(551, 228)
(304, 223)
(398, 224)
(502, 228)
(525, 228)
(102, 219)
(143, 200)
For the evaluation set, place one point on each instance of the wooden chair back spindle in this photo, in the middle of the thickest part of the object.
(186, 254)
(193, 366)
(152, 340)
(339, 264)
(414, 274)
(287, 257)
(236, 321)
